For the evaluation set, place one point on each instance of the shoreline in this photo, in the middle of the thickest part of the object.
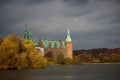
(101, 63)
(52, 65)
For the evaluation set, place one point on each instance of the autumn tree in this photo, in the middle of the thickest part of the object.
(9, 50)
(1, 39)
(16, 53)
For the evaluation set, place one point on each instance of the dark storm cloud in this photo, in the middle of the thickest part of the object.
(115, 1)
(4, 2)
(11, 14)
(99, 38)
(83, 2)
(93, 23)
(38, 1)
(76, 2)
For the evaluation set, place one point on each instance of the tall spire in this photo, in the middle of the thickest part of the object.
(26, 33)
(68, 36)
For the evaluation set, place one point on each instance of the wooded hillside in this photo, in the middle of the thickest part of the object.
(99, 55)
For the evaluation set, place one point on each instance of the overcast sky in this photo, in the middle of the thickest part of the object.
(93, 23)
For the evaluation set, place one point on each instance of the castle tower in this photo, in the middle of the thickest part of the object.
(26, 33)
(69, 49)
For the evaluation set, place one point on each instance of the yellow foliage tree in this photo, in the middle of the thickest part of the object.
(9, 50)
(19, 54)
(36, 60)
(22, 61)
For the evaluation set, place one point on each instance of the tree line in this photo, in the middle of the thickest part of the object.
(100, 55)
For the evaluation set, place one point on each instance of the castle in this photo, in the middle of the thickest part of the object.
(50, 48)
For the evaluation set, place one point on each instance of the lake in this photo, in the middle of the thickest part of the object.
(67, 72)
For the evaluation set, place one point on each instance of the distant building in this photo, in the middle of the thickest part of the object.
(50, 48)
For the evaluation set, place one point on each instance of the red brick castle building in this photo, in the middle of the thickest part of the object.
(52, 47)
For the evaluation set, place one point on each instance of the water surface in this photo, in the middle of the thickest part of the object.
(67, 72)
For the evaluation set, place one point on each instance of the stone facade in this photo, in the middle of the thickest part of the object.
(69, 50)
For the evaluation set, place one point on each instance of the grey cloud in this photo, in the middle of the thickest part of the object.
(38, 1)
(76, 2)
(113, 1)
(98, 39)
(5, 2)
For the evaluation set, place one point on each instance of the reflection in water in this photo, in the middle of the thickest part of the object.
(67, 72)
(70, 77)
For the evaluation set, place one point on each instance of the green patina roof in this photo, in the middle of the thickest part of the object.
(27, 35)
(47, 43)
(53, 44)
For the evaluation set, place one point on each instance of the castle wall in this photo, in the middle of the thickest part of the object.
(52, 52)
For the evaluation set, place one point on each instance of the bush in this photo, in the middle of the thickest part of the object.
(60, 59)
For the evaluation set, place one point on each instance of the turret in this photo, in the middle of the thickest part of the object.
(68, 36)
(69, 49)
(26, 33)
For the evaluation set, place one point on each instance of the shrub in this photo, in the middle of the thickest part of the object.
(60, 59)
